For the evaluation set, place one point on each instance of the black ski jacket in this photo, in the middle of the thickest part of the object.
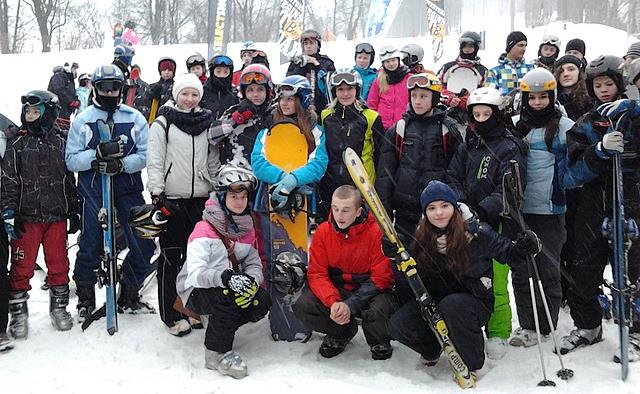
(61, 84)
(327, 67)
(218, 98)
(162, 90)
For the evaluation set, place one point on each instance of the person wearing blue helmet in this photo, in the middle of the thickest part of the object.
(123, 157)
(219, 93)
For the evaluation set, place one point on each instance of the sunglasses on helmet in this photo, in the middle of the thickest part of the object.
(108, 85)
(258, 78)
(364, 48)
(195, 59)
(340, 78)
(388, 51)
(425, 81)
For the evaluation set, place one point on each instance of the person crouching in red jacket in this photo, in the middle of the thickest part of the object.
(348, 277)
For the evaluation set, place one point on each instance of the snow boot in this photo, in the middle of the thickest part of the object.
(381, 351)
(229, 363)
(195, 323)
(523, 337)
(634, 349)
(19, 324)
(179, 328)
(6, 342)
(580, 337)
(331, 347)
(58, 301)
(496, 348)
(86, 300)
(130, 301)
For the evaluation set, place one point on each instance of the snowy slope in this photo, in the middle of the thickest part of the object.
(143, 358)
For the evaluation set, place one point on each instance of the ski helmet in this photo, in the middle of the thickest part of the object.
(124, 53)
(167, 63)
(414, 54)
(296, 85)
(473, 38)
(258, 74)
(486, 96)
(367, 48)
(538, 80)
(48, 105)
(426, 81)
(389, 52)
(220, 61)
(311, 35)
(147, 221)
(196, 60)
(83, 78)
(345, 76)
(608, 65)
(634, 71)
(107, 78)
(289, 273)
(234, 177)
(549, 39)
(248, 46)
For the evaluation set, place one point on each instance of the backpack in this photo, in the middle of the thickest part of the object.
(448, 126)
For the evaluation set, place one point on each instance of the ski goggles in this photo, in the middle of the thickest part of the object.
(364, 47)
(31, 100)
(197, 58)
(425, 81)
(258, 53)
(309, 36)
(108, 85)
(550, 41)
(340, 78)
(254, 77)
(221, 60)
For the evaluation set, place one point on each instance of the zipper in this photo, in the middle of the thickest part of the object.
(193, 165)
(166, 174)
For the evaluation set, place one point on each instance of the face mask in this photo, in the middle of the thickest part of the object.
(488, 125)
(107, 103)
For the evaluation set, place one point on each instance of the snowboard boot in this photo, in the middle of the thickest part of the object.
(229, 363)
(130, 301)
(331, 347)
(6, 342)
(580, 337)
(58, 301)
(381, 351)
(430, 361)
(86, 300)
(523, 337)
(496, 348)
(19, 324)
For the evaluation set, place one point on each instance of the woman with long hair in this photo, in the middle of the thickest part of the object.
(388, 94)
(573, 88)
(453, 251)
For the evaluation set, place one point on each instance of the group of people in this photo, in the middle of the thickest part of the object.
(437, 147)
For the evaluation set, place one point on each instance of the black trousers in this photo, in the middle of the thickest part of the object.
(465, 316)
(4, 280)
(375, 317)
(173, 252)
(226, 317)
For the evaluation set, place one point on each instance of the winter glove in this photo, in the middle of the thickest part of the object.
(108, 167)
(74, 222)
(527, 244)
(282, 189)
(162, 204)
(465, 211)
(241, 117)
(618, 107)
(611, 143)
(113, 149)
(74, 104)
(243, 285)
(300, 60)
(156, 91)
(14, 230)
(389, 249)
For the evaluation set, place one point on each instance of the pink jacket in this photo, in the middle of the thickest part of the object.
(392, 104)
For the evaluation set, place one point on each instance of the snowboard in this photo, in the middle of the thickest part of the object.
(407, 265)
(286, 148)
(462, 78)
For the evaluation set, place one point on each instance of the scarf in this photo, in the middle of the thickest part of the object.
(220, 219)
(397, 75)
(193, 122)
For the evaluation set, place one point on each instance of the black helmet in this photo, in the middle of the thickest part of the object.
(147, 221)
(473, 38)
(48, 105)
(608, 65)
(313, 35)
(288, 273)
(196, 60)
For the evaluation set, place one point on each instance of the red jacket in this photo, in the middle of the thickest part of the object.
(352, 261)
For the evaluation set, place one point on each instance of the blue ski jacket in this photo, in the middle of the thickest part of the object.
(368, 75)
(83, 138)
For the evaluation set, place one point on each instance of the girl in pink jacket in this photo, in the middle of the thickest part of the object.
(388, 95)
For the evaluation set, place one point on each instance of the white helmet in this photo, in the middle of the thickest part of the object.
(414, 54)
(551, 39)
(634, 71)
(487, 96)
(389, 52)
(234, 176)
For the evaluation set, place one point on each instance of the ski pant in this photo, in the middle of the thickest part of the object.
(499, 325)
(406, 228)
(173, 253)
(375, 317)
(591, 252)
(552, 233)
(465, 316)
(4, 280)
(24, 253)
(226, 317)
(136, 265)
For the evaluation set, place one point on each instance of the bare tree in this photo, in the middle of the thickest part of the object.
(51, 15)
(84, 28)
(4, 26)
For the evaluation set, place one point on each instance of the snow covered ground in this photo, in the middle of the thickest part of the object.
(143, 358)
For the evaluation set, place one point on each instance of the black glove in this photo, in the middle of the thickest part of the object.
(243, 285)
(113, 149)
(75, 222)
(527, 244)
(108, 167)
(389, 248)
(247, 105)
(164, 205)
(156, 91)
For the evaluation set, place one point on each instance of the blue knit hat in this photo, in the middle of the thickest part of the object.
(437, 191)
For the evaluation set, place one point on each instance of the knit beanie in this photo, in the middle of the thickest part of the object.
(184, 81)
(167, 64)
(437, 191)
(576, 44)
(513, 38)
(634, 50)
(568, 59)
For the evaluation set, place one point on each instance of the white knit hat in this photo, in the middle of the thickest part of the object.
(184, 81)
